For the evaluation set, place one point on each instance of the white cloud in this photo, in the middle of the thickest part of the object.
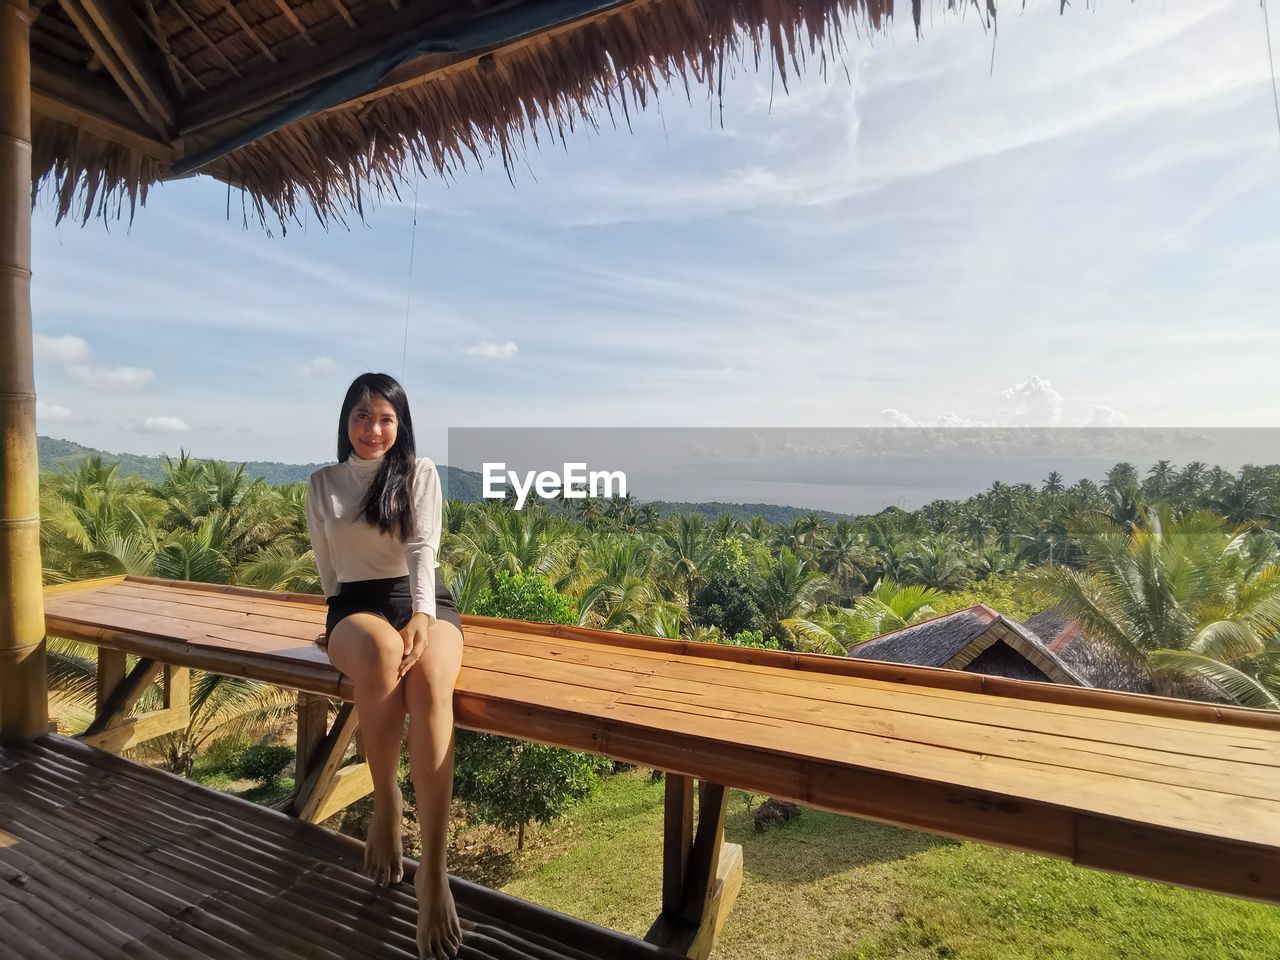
(494, 351)
(75, 354)
(163, 425)
(1107, 417)
(64, 349)
(317, 366)
(1036, 403)
(54, 413)
(896, 418)
(111, 378)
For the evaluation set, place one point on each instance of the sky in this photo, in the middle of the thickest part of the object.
(1081, 231)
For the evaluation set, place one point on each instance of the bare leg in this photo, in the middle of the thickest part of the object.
(368, 650)
(429, 696)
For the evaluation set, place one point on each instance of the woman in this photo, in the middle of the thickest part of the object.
(374, 518)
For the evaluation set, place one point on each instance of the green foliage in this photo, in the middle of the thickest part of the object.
(799, 578)
(752, 638)
(1007, 593)
(511, 783)
(525, 596)
(265, 763)
(727, 602)
(1193, 600)
(222, 756)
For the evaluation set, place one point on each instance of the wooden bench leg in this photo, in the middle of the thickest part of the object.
(701, 874)
(114, 728)
(324, 785)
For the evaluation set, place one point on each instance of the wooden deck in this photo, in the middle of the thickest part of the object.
(1179, 792)
(104, 859)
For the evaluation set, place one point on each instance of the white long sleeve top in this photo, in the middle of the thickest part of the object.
(349, 548)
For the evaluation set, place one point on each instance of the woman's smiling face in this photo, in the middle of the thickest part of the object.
(371, 427)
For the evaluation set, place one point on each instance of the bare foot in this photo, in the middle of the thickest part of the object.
(383, 850)
(439, 932)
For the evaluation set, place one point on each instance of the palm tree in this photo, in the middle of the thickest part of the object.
(1191, 599)
(789, 590)
(280, 567)
(1159, 479)
(829, 629)
(939, 562)
(95, 524)
(843, 556)
(892, 606)
(1244, 499)
(688, 551)
(1053, 483)
(517, 541)
(616, 590)
(220, 707)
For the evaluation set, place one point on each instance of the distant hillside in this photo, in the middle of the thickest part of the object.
(57, 455)
(743, 512)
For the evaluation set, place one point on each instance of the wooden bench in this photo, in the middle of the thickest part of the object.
(1181, 792)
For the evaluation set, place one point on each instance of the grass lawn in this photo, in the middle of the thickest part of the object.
(836, 888)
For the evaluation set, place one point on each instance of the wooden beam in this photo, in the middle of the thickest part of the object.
(724, 892)
(320, 62)
(24, 692)
(322, 767)
(345, 787)
(704, 855)
(695, 907)
(124, 697)
(116, 66)
(131, 731)
(111, 673)
(84, 101)
(120, 27)
(177, 687)
(677, 838)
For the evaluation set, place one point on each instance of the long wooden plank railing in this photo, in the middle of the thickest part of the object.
(1186, 793)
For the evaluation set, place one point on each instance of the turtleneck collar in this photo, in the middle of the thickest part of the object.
(362, 467)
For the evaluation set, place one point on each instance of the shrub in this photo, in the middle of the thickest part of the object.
(265, 763)
(525, 596)
(223, 755)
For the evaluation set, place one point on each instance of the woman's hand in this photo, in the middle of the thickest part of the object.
(414, 635)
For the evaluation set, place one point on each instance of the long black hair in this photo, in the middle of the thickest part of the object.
(389, 503)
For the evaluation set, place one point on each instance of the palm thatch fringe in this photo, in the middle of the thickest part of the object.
(339, 161)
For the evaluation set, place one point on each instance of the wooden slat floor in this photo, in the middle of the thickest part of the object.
(105, 859)
(1188, 794)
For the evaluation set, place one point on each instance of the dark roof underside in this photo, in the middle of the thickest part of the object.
(327, 103)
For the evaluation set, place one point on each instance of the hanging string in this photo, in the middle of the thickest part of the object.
(1275, 97)
(408, 293)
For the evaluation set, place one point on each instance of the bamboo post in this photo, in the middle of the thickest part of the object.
(24, 695)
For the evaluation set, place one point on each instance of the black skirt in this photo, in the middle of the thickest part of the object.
(388, 598)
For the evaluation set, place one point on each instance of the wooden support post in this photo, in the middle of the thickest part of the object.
(701, 874)
(124, 695)
(113, 729)
(323, 788)
(24, 692)
(177, 687)
(677, 839)
(111, 671)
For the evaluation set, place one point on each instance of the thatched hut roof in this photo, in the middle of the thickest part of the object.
(978, 639)
(325, 103)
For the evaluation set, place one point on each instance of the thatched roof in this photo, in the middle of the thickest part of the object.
(325, 103)
(978, 639)
(1095, 661)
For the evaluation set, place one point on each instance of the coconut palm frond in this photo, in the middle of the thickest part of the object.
(1241, 687)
